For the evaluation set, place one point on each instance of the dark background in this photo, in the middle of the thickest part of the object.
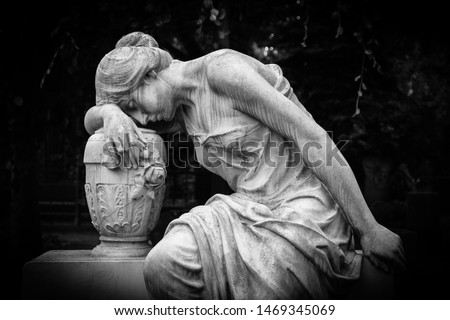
(394, 58)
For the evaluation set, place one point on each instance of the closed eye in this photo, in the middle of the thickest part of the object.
(151, 74)
(131, 105)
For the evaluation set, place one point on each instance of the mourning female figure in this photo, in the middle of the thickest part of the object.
(288, 229)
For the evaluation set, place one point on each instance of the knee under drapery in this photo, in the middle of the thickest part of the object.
(172, 269)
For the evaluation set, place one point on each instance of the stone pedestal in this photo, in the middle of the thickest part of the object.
(76, 274)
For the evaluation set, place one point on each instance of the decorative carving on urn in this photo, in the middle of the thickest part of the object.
(124, 203)
(90, 202)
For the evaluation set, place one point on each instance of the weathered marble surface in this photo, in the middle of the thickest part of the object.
(124, 203)
(76, 274)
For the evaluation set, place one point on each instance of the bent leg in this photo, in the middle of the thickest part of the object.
(172, 269)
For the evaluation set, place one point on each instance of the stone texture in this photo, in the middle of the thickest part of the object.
(76, 274)
(124, 203)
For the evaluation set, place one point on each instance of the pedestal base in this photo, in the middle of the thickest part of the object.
(76, 274)
(117, 249)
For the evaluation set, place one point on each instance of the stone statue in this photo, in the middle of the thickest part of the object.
(288, 230)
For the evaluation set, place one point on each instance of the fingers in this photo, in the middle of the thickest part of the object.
(111, 150)
(401, 257)
(379, 263)
(135, 147)
(138, 140)
(134, 161)
(397, 254)
(401, 262)
(388, 261)
(128, 159)
(385, 251)
(402, 250)
(140, 136)
(123, 143)
(131, 147)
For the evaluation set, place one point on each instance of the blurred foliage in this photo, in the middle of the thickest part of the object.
(373, 73)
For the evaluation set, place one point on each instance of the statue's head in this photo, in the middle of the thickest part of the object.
(123, 70)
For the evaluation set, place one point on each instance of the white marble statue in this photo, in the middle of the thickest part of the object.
(288, 230)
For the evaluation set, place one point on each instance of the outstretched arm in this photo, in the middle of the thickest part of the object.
(255, 96)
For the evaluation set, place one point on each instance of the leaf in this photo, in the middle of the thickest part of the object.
(357, 78)
(360, 93)
(363, 85)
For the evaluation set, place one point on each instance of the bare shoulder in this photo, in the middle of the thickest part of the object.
(228, 67)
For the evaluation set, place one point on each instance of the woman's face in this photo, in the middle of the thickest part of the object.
(153, 100)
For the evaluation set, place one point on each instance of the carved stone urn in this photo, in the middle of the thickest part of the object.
(124, 203)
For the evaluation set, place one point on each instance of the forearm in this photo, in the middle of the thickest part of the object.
(335, 173)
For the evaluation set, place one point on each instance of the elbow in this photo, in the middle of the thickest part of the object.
(89, 130)
(87, 124)
(91, 120)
